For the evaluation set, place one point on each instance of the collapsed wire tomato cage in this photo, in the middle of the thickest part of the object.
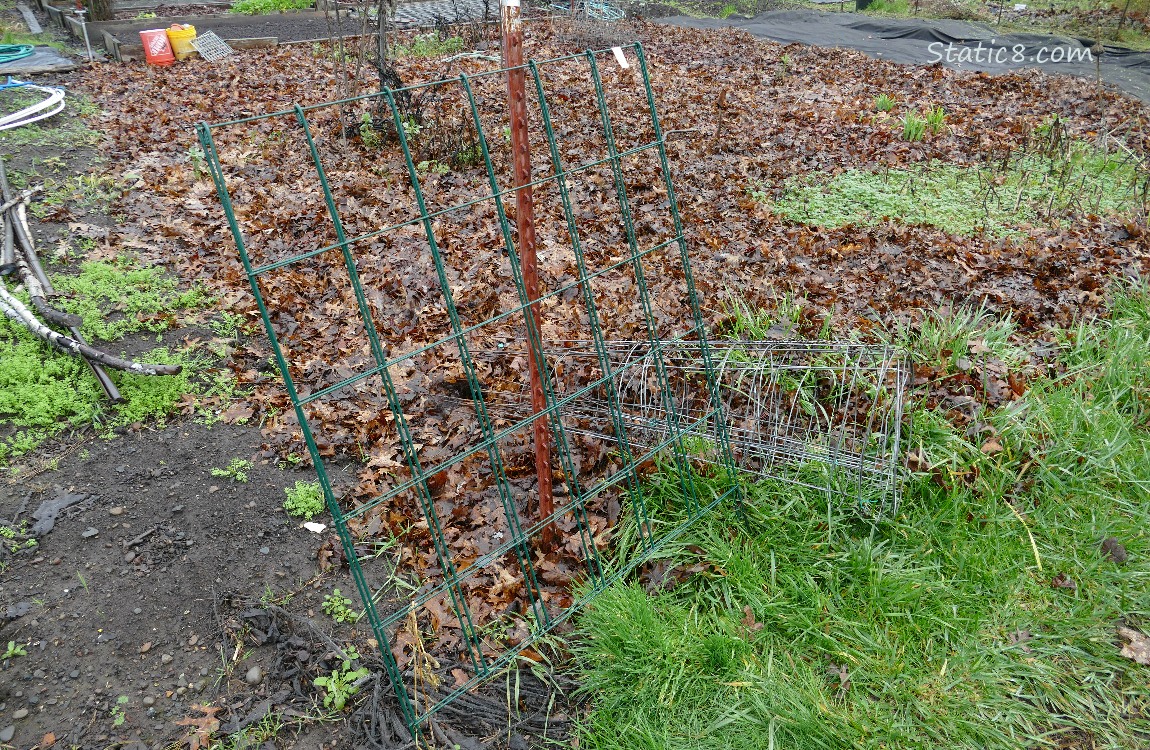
(415, 262)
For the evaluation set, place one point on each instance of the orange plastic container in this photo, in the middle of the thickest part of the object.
(180, 36)
(157, 49)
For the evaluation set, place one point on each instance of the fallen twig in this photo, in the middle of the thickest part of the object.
(15, 309)
(39, 299)
(141, 537)
(20, 198)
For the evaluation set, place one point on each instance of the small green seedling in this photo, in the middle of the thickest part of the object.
(237, 470)
(913, 127)
(304, 500)
(14, 650)
(936, 119)
(118, 716)
(884, 102)
(340, 685)
(371, 138)
(338, 607)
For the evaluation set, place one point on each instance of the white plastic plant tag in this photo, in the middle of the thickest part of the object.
(620, 58)
(316, 527)
(511, 3)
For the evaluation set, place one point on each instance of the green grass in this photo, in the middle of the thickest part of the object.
(260, 7)
(44, 392)
(62, 131)
(889, 7)
(812, 628)
(429, 45)
(974, 334)
(1033, 189)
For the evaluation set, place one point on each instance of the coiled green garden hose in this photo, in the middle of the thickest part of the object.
(10, 52)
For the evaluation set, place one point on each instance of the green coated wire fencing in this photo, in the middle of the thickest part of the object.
(386, 217)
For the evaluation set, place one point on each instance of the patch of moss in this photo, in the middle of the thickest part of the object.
(44, 392)
(116, 300)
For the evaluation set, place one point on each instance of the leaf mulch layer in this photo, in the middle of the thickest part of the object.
(738, 113)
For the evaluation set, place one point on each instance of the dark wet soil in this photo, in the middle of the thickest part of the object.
(127, 596)
(165, 11)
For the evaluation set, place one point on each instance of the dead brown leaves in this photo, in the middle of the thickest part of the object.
(201, 727)
(1136, 646)
(738, 123)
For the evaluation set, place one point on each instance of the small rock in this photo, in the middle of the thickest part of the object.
(19, 713)
(74, 674)
(265, 550)
(177, 508)
(117, 511)
(213, 488)
(962, 364)
(149, 700)
(89, 532)
(129, 557)
(39, 674)
(7, 733)
(121, 468)
(166, 659)
(181, 690)
(137, 611)
(146, 647)
(193, 640)
(33, 700)
(254, 676)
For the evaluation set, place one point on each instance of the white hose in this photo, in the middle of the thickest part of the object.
(41, 110)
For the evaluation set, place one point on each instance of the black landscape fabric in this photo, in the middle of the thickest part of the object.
(955, 44)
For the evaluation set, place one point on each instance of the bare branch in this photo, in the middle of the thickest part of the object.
(15, 309)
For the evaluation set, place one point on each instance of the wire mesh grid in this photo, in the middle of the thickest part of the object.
(399, 239)
(417, 275)
(211, 47)
(822, 414)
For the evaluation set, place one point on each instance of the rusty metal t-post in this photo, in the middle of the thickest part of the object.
(525, 226)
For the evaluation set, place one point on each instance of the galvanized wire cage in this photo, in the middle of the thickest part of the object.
(822, 414)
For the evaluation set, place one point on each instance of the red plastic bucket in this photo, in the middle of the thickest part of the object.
(157, 49)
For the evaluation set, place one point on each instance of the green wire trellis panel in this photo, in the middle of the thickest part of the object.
(416, 275)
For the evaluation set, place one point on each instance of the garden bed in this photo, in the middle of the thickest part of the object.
(762, 140)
